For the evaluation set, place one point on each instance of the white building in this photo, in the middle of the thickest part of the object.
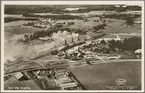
(68, 85)
(138, 53)
(72, 9)
(20, 76)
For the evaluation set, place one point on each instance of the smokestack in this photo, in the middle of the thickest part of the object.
(72, 40)
(65, 42)
(78, 38)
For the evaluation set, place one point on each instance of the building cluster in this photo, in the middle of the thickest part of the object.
(65, 81)
(44, 79)
(50, 79)
(87, 52)
(48, 23)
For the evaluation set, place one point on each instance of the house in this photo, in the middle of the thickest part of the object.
(137, 20)
(71, 9)
(113, 57)
(138, 53)
(45, 38)
(42, 73)
(25, 38)
(64, 79)
(21, 76)
(68, 86)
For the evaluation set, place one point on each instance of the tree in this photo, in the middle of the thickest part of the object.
(112, 45)
(129, 21)
(118, 44)
(26, 38)
(132, 43)
(101, 26)
(120, 9)
(128, 44)
(103, 42)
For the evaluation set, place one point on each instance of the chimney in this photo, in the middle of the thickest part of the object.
(65, 42)
(78, 38)
(72, 40)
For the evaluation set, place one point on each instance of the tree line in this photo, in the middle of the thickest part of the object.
(10, 19)
(121, 16)
(128, 44)
(62, 16)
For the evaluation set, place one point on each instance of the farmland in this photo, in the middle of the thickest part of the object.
(16, 28)
(102, 75)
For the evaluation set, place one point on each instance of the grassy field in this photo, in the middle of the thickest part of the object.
(121, 29)
(16, 28)
(122, 37)
(21, 29)
(14, 84)
(125, 36)
(116, 26)
(98, 77)
(15, 23)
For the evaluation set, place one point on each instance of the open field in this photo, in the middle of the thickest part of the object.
(10, 15)
(22, 29)
(119, 29)
(15, 84)
(127, 36)
(16, 28)
(15, 23)
(100, 76)
(116, 26)
(121, 36)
